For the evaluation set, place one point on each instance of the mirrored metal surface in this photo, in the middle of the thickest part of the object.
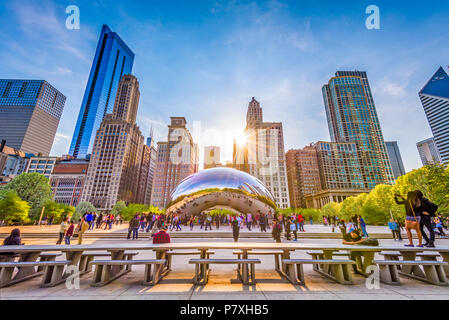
(224, 187)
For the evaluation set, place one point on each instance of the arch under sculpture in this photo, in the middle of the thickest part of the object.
(221, 187)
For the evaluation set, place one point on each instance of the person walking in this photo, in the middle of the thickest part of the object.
(249, 221)
(428, 211)
(276, 231)
(69, 233)
(363, 227)
(301, 221)
(413, 218)
(235, 230)
(294, 228)
(439, 227)
(192, 222)
(62, 230)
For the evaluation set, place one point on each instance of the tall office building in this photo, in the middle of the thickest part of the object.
(211, 157)
(266, 155)
(435, 100)
(303, 175)
(114, 167)
(177, 158)
(395, 158)
(428, 152)
(352, 118)
(112, 60)
(147, 169)
(30, 111)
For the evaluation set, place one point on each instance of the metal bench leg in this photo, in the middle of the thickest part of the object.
(5, 276)
(253, 273)
(245, 274)
(148, 278)
(277, 265)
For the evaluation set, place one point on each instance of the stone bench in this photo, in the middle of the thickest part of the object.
(433, 270)
(428, 256)
(170, 255)
(52, 272)
(338, 270)
(47, 256)
(392, 256)
(202, 274)
(277, 256)
(104, 273)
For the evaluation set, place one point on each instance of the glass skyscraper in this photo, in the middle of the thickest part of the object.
(352, 117)
(435, 100)
(30, 111)
(395, 158)
(113, 59)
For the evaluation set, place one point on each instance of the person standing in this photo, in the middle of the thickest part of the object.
(412, 219)
(69, 233)
(134, 227)
(301, 223)
(277, 231)
(83, 226)
(249, 220)
(393, 228)
(191, 222)
(439, 226)
(428, 211)
(62, 230)
(208, 222)
(294, 229)
(235, 230)
(342, 226)
(263, 223)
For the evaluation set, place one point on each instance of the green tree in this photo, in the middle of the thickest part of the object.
(81, 209)
(373, 215)
(331, 209)
(33, 188)
(129, 212)
(13, 209)
(118, 208)
(58, 210)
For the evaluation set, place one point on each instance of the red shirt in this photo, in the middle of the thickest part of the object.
(161, 237)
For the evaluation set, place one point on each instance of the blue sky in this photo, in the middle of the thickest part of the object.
(205, 60)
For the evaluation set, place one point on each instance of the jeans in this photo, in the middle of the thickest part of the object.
(67, 240)
(365, 234)
(426, 222)
(249, 225)
(263, 228)
(61, 237)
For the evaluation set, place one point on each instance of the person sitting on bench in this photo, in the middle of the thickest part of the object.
(353, 237)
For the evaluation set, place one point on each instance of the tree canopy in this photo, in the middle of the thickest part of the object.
(13, 210)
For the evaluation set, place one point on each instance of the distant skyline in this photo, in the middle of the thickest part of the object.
(205, 60)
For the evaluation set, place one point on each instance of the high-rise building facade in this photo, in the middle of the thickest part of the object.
(303, 175)
(212, 157)
(177, 158)
(146, 175)
(67, 181)
(428, 152)
(352, 118)
(42, 165)
(30, 111)
(114, 166)
(13, 162)
(435, 100)
(266, 155)
(395, 158)
(112, 60)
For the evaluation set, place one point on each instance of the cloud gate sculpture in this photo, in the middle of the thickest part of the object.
(220, 188)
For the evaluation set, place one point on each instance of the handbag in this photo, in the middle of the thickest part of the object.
(413, 223)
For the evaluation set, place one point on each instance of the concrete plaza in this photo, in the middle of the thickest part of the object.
(223, 283)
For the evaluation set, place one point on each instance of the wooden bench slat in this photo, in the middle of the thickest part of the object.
(223, 261)
(127, 262)
(33, 264)
(309, 261)
(410, 263)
